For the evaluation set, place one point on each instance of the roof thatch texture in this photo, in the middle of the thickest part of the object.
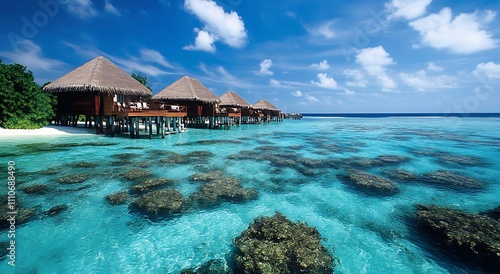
(98, 75)
(264, 105)
(232, 99)
(187, 89)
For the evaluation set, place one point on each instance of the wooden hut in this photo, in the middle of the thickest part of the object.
(266, 111)
(201, 103)
(235, 107)
(102, 90)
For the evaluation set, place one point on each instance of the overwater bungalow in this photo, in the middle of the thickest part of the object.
(267, 112)
(109, 96)
(235, 106)
(202, 105)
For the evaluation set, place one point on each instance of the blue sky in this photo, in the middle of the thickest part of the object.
(303, 56)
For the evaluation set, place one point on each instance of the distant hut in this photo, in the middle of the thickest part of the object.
(102, 90)
(201, 103)
(267, 111)
(235, 106)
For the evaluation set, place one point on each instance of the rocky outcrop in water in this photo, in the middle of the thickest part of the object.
(118, 198)
(221, 189)
(161, 202)
(136, 173)
(73, 179)
(56, 210)
(472, 236)
(400, 175)
(150, 184)
(36, 189)
(277, 245)
(450, 179)
(369, 182)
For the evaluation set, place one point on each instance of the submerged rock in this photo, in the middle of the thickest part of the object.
(84, 164)
(399, 174)
(150, 184)
(56, 210)
(211, 267)
(136, 173)
(118, 198)
(23, 215)
(218, 190)
(161, 202)
(126, 156)
(370, 182)
(472, 236)
(453, 180)
(207, 176)
(73, 179)
(175, 159)
(391, 159)
(277, 245)
(50, 171)
(493, 213)
(35, 189)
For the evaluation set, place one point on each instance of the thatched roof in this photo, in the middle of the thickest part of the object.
(265, 105)
(98, 75)
(187, 89)
(232, 99)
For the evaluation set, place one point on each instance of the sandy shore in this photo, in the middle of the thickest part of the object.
(49, 130)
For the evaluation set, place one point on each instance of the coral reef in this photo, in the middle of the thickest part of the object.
(161, 202)
(453, 180)
(472, 236)
(36, 189)
(84, 164)
(399, 175)
(56, 210)
(369, 182)
(277, 245)
(136, 173)
(150, 184)
(73, 179)
(118, 198)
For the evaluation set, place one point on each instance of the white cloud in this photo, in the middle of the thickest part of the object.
(297, 93)
(110, 8)
(264, 67)
(325, 81)
(132, 64)
(489, 70)
(29, 54)
(154, 56)
(204, 42)
(324, 29)
(357, 76)
(433, 67)
(323, 65)
(310, 98)
(81, 8)
(374, 61)
(463, 34)
(420, 81)
(349, 92)
(219, 25)
(407, 9)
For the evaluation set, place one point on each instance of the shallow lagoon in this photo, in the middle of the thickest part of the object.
(296, 166)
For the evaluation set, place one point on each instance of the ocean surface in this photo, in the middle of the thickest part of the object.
(366, 232)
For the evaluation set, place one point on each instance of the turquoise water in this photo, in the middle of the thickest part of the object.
(368, 233)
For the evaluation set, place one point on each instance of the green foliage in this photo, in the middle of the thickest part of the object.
(23, 104)
(141, 79)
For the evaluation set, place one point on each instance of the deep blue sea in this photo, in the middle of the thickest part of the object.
(366, 232)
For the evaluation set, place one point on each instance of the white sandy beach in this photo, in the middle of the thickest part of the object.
(50, 130)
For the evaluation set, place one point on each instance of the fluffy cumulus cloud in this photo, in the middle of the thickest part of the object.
(489, 70)
(463, 34)
(297, 93)
(357, 78)
(204, 41)
(264, 67)
(325, 81)
(323, 65)
(420, 81)
(407, 9)
(375, 61)
(219, 25)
